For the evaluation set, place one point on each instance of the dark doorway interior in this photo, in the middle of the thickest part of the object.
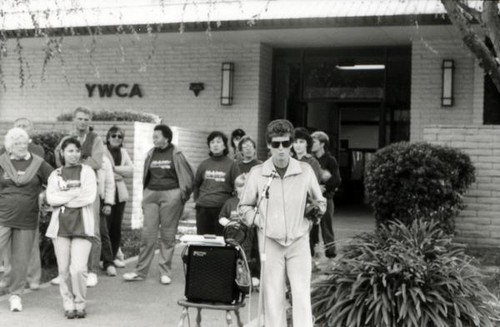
(359, 96)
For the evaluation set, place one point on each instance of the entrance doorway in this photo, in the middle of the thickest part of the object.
(359, 96)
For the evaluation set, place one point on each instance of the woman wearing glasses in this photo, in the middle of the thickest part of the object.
(122, 168)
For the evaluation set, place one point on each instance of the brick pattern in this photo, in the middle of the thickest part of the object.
(426, 79)
(479, 224)
(164, 80)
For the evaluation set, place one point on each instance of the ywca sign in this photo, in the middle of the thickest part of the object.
(121, 90)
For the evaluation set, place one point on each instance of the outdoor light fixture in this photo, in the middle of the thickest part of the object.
(226, 95)
(196, 88)
(447, 83)
(360, 67)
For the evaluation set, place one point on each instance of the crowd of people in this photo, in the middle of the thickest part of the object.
(286, 201)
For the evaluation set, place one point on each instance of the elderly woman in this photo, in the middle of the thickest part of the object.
(72, 191)
(22, 176)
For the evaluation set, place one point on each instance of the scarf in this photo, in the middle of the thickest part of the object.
(11, 171)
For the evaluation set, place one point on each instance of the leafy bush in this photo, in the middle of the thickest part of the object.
(408, 181)
(403, 276)
(105, 115)
(49, 141)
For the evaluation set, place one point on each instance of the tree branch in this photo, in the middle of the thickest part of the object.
(476, 44)
(492, 22)
(472, 14)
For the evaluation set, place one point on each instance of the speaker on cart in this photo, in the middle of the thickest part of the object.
(211, 274)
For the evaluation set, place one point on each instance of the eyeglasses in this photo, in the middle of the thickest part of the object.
(116, 136)
(276, 144)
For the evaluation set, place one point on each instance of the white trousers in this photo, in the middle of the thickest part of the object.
(72, 257)
(293, 261)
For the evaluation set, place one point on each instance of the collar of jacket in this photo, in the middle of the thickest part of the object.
(293, 168)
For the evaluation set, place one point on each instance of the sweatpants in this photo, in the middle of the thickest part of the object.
(72, 256)
(162, 211)
(20, 242)
(293, 261)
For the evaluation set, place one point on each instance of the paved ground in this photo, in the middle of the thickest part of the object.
(114, 302)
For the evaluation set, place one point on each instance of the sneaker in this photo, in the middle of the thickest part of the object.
(111, 271)
(15, 303)
(119, 263)
(70, 314)
(2, 269)
(255, 282)
(55, 281)
(92, 280)
(80, 314)
(34, 286)
(165, 280)
(119, 255)
(3, 283)
(132, 277)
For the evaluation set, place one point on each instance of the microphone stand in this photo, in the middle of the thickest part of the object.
(265, 194)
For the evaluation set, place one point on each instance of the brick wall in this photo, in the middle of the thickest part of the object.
(479, 224)
(426, 86)
(164, 80)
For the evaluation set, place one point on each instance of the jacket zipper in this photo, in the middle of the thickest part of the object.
(284, 207)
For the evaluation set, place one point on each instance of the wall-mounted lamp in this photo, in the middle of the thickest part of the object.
(196, 88)
(226, 95)
(448, 68)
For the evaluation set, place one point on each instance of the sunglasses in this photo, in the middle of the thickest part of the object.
(276, 144)
(116, 136)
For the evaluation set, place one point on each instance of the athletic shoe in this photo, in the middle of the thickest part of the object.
(70, 314)
(119, 263)
(132, 277)
(80, 314)
(55, 281)
(255, 282)
(15, 303)
(111, 271)
(2, 269)
(165, 280)
(34, 286)
(3, 283)
(92, 280)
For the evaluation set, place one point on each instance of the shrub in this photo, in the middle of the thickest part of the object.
(49, 141)
(408, 181)
(106, 115)
(403, 276)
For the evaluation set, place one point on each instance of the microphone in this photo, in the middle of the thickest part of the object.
(274, 174)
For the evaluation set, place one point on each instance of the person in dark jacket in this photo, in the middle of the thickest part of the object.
(330, 180)
(247, 149)
(167, 182)
(214, 184)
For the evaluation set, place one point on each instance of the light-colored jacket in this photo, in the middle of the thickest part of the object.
(126, 169)
(81, 197)
(287, 200)
(106, 182)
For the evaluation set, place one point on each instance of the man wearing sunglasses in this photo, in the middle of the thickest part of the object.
(288, 188)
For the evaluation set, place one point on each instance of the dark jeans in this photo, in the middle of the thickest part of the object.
(207, 221)
(251, 247)
(114, 221)
(111, 230)
(327, 233)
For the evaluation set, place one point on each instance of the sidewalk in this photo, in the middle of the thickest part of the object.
(114, 302)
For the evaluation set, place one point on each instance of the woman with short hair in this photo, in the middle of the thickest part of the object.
(248, 149)
(123, 168)
(214, 184)
(71, 191)
(22, 176)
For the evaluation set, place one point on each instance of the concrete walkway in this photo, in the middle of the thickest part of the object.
(114, 302)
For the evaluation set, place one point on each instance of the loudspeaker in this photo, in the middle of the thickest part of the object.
(211, 274)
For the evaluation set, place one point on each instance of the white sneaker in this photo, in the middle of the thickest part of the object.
(165, 280)
(132, 277)
(34, 286)
(255, 282)
(111, 271)
(15, 303)
(55, 281)
(119, 255)
(119, 263)
(3, 283)
(2, 269)
(92, 280)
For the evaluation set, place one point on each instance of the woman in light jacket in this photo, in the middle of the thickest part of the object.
(122, 167)
(71, 191)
